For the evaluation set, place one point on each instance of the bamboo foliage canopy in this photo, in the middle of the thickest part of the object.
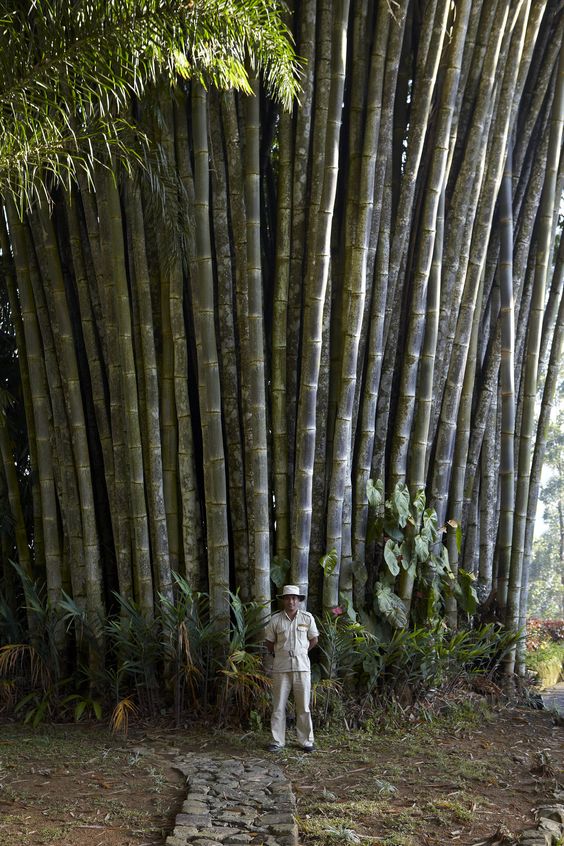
(220, 344)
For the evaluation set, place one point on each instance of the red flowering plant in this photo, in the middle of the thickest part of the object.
(543, 632)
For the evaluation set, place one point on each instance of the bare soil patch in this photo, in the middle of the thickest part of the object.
(448, 781)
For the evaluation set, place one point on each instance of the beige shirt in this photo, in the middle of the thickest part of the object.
(291, 641)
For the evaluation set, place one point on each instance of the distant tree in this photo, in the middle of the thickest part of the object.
(546, 591)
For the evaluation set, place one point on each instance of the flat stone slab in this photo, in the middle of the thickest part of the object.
(232, 802)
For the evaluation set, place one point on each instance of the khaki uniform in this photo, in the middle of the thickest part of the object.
(291, 673)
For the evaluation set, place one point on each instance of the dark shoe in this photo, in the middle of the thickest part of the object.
(273, 747)
(308, 748)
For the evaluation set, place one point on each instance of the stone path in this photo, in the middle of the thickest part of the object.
(231, 802)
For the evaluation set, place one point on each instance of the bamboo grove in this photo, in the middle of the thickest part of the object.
(216, 353)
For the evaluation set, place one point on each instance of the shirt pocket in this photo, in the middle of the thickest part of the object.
(303, 629)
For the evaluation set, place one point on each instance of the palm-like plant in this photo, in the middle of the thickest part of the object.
(244, 684)
(69, 71)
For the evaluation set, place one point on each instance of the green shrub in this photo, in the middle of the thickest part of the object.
(361, 668)
(547, 663)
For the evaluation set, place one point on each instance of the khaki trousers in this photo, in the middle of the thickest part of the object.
(300, 685)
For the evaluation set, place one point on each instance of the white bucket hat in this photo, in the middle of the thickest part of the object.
(291, 590)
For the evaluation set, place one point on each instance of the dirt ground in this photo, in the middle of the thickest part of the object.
(461, 779)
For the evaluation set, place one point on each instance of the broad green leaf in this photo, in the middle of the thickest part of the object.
(390, 606)
(402, 503)
(419, 502)
(445, 560)
(421, 548)
(279, 569)
(390, 557)
(329, 562)
(459, 538)
(430, 523)
(375, 492)
(465, 592)
(391, 528)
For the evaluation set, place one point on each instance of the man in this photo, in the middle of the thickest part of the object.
(290, 634)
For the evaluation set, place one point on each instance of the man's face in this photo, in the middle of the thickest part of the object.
(291, 605)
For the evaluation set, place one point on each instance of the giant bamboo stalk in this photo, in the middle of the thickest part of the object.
(236, 179)
(316, 285)
(466, 189)
(41, 408)
(100, 234)
(257, 388)
(208, 377)
(428, 62)
(489, 464)
(547, 405)
(20, 531)
(230, 381)
(507, 375)
(456, 493)
(544, 246)
(315, 79)
(355, 299)
(118, 299)
(418, 454)
(169, 269)
(279, 392)
(150, 409)
(190, 503)
(476, 261)
(434, 187)
(63, 333)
